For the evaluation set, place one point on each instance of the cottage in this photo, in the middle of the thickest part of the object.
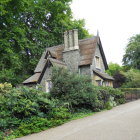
(84, 56)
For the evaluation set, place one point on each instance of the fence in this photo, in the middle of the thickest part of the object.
(131, 94)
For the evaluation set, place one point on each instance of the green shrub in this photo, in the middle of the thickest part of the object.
(71, 88)
(110, 103)
(4, 88)
(78, 92)
(21, 103)
(130, 89)
(60, 113)
(106, 92)
(132, 79)
(1, 135)
(65, 83)
(27, 110)
(57, 116)
(33, 125)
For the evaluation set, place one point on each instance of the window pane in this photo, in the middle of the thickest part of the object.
(97, 62)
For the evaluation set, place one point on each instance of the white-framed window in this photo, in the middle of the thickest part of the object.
(48, 85)
(97, 62)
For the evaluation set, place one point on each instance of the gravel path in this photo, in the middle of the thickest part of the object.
(120, 123)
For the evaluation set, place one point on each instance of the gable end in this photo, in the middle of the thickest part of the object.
(102, 53)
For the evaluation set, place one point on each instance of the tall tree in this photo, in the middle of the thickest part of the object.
(132, 78)
(115, 70)
(26, 28)
(132, 53)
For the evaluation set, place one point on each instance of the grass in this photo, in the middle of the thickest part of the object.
(80, 115)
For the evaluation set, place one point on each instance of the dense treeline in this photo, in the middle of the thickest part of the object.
(27, 27)
(128, 75)
(131, 58)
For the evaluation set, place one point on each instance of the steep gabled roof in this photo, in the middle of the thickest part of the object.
(36, 78)
(87, 48)
(102, 52)
(51, 62)
(54, 56)
(55, 51)
(56, 62)
(33, 79)
(103, 75)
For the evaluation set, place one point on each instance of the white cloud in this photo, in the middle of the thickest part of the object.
(116, 20)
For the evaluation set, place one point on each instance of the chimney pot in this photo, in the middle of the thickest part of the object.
(66, 45)
(75, 36)
(71, 40)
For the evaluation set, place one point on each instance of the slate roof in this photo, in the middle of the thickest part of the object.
(33, 79)
(104, 76)
(86, 47)
(36, 77)
(56, 62)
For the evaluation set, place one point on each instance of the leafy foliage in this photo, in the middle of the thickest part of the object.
(124, 77)
(115, 71)
(110, 95)
(60, 113)
(120, 79)
(17, 104)
(132, 53)
(28, 110)
(35, 124)
(78, 92)
(114, 68)
(27, 27)
(72, 88)
(132, 79)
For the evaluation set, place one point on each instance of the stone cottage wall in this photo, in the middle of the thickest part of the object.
(93, 66)
(46, 76)
(72, 58)
(98, 53)
(85, 70)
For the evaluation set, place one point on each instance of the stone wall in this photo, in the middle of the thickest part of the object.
(98, 53)
(46, 76)
(93, 66)
(72, 58)
(85, 70)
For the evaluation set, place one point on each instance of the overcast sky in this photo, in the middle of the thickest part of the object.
(116, 20)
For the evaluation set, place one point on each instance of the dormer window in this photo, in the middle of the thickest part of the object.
(97, 62)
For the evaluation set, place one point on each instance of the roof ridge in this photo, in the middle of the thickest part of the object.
(60, 45)
(56, 60)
